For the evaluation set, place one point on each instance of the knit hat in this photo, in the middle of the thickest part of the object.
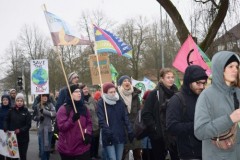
(74, 87)
(233, 58)
(107, 86)
(11, 90)
(71, 76)
(121, 79)
(19, 96)
(195, 73)
(5, 96)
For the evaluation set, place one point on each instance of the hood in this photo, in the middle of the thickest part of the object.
(218, 62)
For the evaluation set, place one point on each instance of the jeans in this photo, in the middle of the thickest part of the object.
(114, 152)
(45, 154)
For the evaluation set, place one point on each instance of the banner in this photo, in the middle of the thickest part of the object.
(39, 76)
(114, 74)
(8, 144)
(104, 65)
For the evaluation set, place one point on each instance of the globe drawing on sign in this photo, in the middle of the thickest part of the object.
(39, 76)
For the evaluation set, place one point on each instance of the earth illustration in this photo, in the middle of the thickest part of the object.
(39, 76)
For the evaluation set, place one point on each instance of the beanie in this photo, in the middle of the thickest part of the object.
(195, 73)
(121, 79)
(107, 86)
(20, 96)
(71, 76)
(5, 96)
(11, 90)
(233, 58)
(74, 87)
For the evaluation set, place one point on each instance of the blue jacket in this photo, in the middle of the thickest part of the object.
(61, 98)
(3, 113)
(117, 119)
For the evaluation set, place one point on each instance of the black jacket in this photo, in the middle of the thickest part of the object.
(19, 119)
(153, 109)
(180, 123)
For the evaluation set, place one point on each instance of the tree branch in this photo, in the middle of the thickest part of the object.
(213, 29)
(176, 18)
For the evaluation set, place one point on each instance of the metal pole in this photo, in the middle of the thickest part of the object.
(161, 37)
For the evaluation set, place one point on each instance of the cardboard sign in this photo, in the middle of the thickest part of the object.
(104, 65)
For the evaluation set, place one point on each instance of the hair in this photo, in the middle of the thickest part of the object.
(165, 71)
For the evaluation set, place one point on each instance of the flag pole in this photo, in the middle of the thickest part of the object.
(65, 77)
(100, 78)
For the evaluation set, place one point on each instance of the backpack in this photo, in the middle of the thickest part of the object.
(139, 128)
(54, 122)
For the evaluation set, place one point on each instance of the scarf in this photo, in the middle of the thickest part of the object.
(80, 107)
(126, 96)
(111, 100)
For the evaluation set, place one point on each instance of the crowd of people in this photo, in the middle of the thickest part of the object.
(190, 123)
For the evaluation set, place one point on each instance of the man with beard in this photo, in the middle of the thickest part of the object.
(180, 113)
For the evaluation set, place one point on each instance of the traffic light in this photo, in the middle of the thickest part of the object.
(20, 81)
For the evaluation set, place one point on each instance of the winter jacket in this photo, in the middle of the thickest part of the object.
(70, 140)
(180, 118)
(61, 98)
(49, 114)
(117, 119)
(92, 106)
(153, 108)
(19, 119)
(213, 108)
(135, 107)
(3, 113)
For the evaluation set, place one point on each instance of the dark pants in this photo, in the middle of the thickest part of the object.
(94, 146)
(173, 151)
(84, 156)
(159, 149)
(3, 158)
(147, 154)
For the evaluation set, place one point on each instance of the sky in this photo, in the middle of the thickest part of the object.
(15, 14)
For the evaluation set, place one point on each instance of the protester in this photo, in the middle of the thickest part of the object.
(92, 106)
(4, 108)
(97, 95)
(154, 116)
(13, 94)
(113, 130)
(129, 95)
(147, 153)
(19, 120)
(217, 109)
(44, 113)
(72, 79)
(71, 144)
(180, 113)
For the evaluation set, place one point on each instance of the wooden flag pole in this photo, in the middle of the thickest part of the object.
(100, 78)
(64, 73)
(65, 77)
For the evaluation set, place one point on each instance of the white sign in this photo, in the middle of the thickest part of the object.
(8, 144)
(39, 76)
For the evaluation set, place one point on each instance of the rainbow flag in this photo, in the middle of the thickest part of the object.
(61, 32)
(107, 42)
(191, 54)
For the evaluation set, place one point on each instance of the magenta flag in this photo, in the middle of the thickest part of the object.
(189, 55)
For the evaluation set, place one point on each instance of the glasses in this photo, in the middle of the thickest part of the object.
(77, 91)
(201, 83)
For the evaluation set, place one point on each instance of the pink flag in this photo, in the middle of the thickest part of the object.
(189, 55)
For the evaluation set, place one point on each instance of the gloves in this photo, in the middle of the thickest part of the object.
(17, 131)
(130, 137)
(41, 111)
(88, 139)
(75, 117)
(108, 133)
(41, 118)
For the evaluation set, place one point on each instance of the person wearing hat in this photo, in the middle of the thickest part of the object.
(154, 116)
(217, 109)
(44, 113)
(113, 132)
(180, 113)
(130, 95)
(73, 78)
(18, 120)
(4, 108)
(71, 144)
